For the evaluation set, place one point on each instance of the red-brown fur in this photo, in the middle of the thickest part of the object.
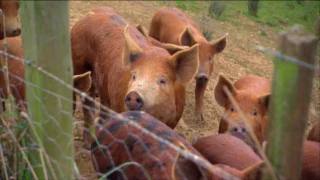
(171, 25)
(228, 150)
(83, 83)
(252, 94)
(311, 161)
(106, 50)
(12, 25)
(16, 73)
(314, 134)
(15, 69)
(119, 142)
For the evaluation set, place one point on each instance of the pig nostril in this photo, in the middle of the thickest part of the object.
(127, 101)
(238, 130)
(16, 32)
(139, 100)
(139, 103)
(203, 79)
(235, 129)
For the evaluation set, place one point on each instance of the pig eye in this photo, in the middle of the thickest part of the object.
(255, 113)
(134, 77)
(210, 59)
(162, 81)
(232, 109)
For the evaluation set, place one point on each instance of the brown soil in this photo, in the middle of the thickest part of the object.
(240, 58)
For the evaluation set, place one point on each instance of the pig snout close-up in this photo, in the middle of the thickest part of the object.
(9, 19)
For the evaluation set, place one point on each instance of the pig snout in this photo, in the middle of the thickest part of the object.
(202, 78)
(239, 130)
(14, 32)
(134, 101)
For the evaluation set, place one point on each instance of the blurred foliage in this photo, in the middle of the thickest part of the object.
(189, 6)
(13, 134)
(216, 8)
(277, 14)
(253, 6)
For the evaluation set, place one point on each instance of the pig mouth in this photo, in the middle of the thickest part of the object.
(240, 136)
(246, 138)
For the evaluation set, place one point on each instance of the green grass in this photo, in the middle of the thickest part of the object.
(193, 6)
(277, 14)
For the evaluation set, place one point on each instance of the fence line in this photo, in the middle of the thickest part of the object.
(108, 112)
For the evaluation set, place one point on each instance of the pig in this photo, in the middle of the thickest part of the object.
(252, 93)
(9, 24)
(310, 161)
(314, 134)
(16, 74)
(118, 141)
(171, 25)
(250, 173)
(229, 150)
(226, 149)
(128, 72)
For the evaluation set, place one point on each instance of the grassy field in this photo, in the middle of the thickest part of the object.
(277, 14)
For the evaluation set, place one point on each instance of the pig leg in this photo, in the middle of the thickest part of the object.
(200, 88)
(88, 117)
(105, 102)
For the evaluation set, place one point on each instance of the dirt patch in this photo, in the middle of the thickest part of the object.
(240, 58)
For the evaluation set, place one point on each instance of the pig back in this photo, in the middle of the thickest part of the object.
(120, 142)
(228, 150)
(311, 161)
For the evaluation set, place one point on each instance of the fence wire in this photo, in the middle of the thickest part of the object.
(116, 136)
(146, 133)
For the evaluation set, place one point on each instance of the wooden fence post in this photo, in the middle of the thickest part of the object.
(318, 27)
(291, 91)
(46, 40)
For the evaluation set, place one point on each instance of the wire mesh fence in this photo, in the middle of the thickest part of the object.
(168, 141)
(130, 145)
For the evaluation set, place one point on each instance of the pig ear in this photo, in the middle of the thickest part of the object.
(131, 50)
(219, 44)
(184, 167)
(186, 64)
(219, 93)
(186, 38)
(82, 81)
(171, 48)
(254, 171)
(143, 30)
(264, 100)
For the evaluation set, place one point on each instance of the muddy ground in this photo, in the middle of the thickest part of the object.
(240, 58)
